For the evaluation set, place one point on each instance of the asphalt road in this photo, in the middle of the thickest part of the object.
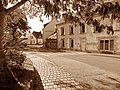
(107, 63)
(97, 71)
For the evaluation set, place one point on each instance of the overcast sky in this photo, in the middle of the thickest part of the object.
(36, 24)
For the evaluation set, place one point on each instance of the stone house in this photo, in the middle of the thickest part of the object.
(85, 38)
(71, 36)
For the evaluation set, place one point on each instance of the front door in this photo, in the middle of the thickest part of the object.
(83, 45)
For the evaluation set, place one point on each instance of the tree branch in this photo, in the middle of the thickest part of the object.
(1, 6)
(16, 6)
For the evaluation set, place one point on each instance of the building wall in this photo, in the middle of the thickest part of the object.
(76, 36)
(90, 40)
(40, 41)
(51, 43)
(49, 29)
(31, 39)
(93, 39)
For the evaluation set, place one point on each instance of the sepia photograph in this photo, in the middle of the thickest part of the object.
(59, 44)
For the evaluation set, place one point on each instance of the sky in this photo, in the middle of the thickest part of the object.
(36, 24)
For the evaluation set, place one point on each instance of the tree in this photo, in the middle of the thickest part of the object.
(16, 26)
(3, 13)
(72, 10)
(84, 9)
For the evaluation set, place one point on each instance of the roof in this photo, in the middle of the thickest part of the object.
(37, 34)
(46, 24)
(49, 21)
(53, 36)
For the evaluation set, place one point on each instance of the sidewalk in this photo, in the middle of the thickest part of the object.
(52, 76)
(106, 55)
(96, 54)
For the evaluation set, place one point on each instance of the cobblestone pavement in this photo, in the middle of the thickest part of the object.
(52, 76)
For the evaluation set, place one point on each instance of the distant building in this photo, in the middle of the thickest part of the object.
(49, 29)
(51, 41)
(35, 38)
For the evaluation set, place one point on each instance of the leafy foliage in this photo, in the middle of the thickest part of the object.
(86, 11)
(14, 58)
(73, 11)
(12, 64)
(11, 60)
(16, 26)
(109, 8)
(17, 20)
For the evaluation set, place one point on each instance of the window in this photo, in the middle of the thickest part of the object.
(106, 44)
(101, 44)
(62, 43)
(62, 31)
(111, 44)
(71, 30)
(82, 28)
(71, 43)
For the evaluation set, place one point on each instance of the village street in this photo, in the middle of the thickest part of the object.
(99, 70)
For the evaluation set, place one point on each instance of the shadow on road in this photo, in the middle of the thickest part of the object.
(115, 85)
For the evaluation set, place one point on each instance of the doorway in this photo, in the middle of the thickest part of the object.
(83, 45)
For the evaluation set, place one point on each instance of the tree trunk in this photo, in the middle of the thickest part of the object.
(2, 18)
(3, 13)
